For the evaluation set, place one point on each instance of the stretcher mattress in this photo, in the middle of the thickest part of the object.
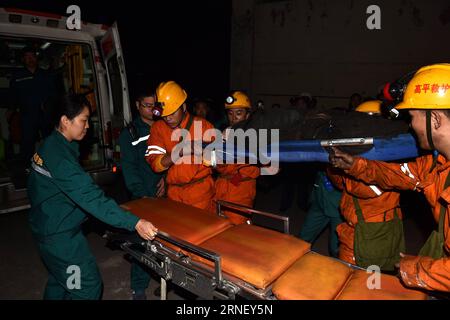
(316, 277)
(276, 264)
(254, 254)
(180, 220)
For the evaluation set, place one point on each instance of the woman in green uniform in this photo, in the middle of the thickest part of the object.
(61, 195)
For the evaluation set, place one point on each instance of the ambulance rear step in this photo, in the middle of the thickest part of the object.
(12, 199)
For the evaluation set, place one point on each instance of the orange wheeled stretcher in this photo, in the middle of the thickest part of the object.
(214, 259)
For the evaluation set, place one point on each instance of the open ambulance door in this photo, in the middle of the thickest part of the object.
(119, 103)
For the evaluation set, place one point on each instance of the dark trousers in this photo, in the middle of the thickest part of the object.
(297, 180)
(323, 211)
(31, 125)
(139, 277)
(73, 271)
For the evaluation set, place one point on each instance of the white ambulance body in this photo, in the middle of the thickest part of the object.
(89, 61)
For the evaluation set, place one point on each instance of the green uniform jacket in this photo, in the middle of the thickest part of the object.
(139, 177)
(62, 193)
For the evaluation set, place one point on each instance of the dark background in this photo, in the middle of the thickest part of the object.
(185, 41)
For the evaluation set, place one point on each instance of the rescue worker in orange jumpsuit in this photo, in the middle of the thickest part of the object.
(427, 99)
(236, 183)
(188, 181)
(376, 204)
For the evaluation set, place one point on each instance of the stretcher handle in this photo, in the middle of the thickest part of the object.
(346, 142)
(204, 253)
(238, 207)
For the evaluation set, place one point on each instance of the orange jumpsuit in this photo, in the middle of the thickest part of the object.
(374, 203)
(187, 183)
(416, 271)
(237, 183)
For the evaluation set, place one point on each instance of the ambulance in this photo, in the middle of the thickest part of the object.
(87, 60)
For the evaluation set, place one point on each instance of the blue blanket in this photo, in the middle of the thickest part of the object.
(399, 147)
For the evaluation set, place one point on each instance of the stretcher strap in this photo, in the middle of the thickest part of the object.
(230, 176)
(188, 183)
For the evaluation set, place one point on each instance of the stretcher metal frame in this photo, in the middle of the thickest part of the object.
(198, 278)
(183, 263)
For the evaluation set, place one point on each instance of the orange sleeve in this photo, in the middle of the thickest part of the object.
(336, 177)
(405, 176)
(426, 273)
(361, 190)
(187, 169)
(156, 148)
(250, 171)
(245, 170)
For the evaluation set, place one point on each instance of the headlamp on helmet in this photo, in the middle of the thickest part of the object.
(388, 109)
(237, 99)
(158, 109)
(230, 99)
(172, 97)
(393, 93)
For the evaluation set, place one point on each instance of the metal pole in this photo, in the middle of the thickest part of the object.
(163, 289)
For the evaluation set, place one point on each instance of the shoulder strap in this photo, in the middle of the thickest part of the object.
(396, 215)
(188, 127)
(443, 208)
(441, 220)
(358, 209)
(189, 123)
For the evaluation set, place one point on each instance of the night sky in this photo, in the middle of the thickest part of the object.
(185, 41)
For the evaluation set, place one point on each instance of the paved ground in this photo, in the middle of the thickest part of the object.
(23, 276)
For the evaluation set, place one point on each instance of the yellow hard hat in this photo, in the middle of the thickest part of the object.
(170, 97)
(237, 99)
(428, 89)
(370, 107)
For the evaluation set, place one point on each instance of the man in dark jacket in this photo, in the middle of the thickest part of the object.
(140, 180)
(32, 91)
